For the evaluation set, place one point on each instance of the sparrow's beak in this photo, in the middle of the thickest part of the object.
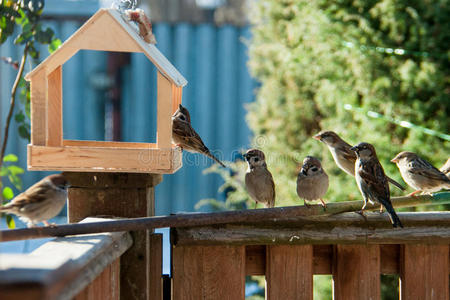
(245, 155)
(317, 137)
(394, 160)
(180, 106)
(303, 171)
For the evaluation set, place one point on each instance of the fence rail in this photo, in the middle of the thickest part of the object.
(210, 266)
(207, 266)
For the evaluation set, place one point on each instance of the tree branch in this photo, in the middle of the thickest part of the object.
(12, 104)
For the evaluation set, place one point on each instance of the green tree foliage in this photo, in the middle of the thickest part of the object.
(20, 19)
(340, 65)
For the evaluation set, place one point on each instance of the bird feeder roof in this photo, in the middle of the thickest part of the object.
(107, 30)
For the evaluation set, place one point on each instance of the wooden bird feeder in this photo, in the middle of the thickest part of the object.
(107, 30)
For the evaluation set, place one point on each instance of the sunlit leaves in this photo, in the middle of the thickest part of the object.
(10, 158)
(10, 222)
(7, 193)
(54, 45)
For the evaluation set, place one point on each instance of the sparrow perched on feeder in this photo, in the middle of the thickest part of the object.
(342, 155)
(145, 26)
(446, 168)
(40, 202)
(420, 174)
(312, 181)
(371, 180)
(185, 136)
(258, 179)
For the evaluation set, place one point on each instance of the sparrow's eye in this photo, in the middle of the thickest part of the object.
(314, 169)
(182, 118)
(256, 159)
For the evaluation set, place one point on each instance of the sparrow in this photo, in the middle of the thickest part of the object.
(420, 174)
(312, 181)
(446, 168)
(258, 179)
(40, 202)
(186, 137)
(371, 180)
(342, 155)
(145, 26)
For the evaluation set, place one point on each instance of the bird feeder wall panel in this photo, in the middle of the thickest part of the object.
(49, 151)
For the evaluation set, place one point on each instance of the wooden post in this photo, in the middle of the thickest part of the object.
(208, 272)
(424, 272)
(356, 273)
(289, 272)
(119, 195)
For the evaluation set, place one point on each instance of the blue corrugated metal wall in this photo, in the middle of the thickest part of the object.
(213, 60)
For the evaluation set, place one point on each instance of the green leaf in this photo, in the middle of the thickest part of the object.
(10, 158)
(24, 132)
(7, 193)
(10, 222)
(3, 171)
(54, 45)
(33, 52)
(44, 37)
(19, 117)
(14, 170)
(16, 181)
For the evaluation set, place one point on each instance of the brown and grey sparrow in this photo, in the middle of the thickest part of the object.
(446, 168)
(371, 180)
(40, 202)
(186, 137)
(420, 174)
(312, 181)
(342, 155)
(258, 179)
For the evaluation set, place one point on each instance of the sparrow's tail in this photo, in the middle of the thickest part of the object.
(214, 158)
(401, 187)
(392, 214)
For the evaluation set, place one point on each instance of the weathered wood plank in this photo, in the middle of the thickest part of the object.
(345, 228)
(426, 227)
(289, 272)
(104, 159)
(356, 272)
(323, 259)
(156, 259)
(54, 108)
(63, 267)
(425, 272)
(105, 286)
(255, 260)
(124, 199)
(208, 272)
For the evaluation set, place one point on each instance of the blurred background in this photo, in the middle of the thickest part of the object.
(263, 73)
(112, 96)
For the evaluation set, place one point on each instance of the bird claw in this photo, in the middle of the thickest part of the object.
(413, 194)
(323, 204)
(361, 212)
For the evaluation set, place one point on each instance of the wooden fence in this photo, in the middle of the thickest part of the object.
(212, 262)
